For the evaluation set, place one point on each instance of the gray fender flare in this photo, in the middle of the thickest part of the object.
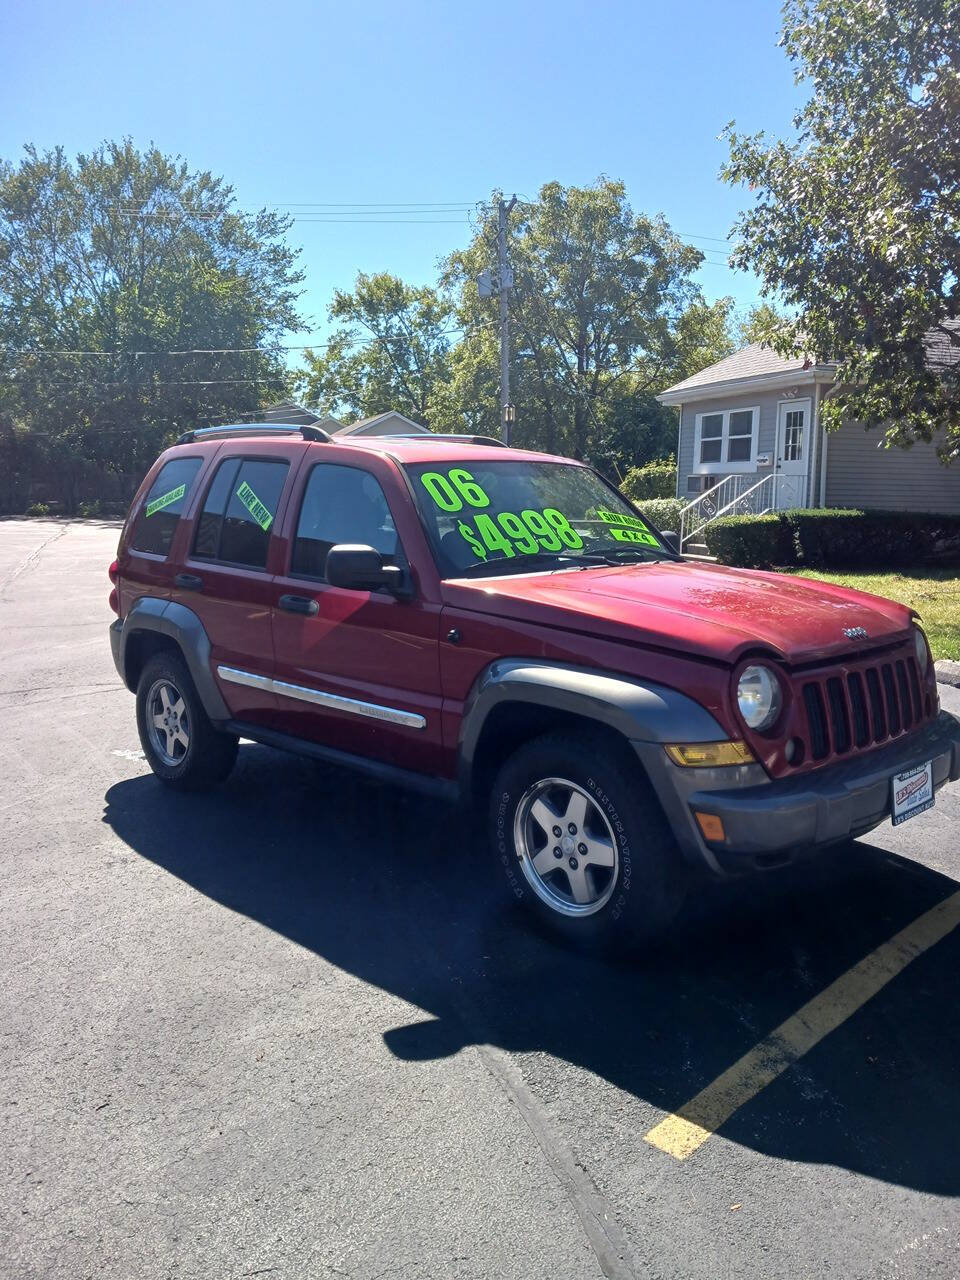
(641, 711)
(169, 618)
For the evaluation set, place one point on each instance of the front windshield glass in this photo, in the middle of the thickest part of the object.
(514, 517)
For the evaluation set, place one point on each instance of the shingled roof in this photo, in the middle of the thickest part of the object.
(754, 361)
(757, 361)
(942, 346)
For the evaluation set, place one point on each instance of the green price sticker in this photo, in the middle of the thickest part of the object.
(525, 534)
(256, 508)
(166, 500)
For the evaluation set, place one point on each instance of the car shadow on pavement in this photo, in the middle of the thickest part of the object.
(388, 886)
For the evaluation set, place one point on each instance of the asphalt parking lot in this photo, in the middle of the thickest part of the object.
(288, 1030)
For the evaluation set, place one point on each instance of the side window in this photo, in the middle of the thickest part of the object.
(160, 513)
(341, 504)
(239, 511)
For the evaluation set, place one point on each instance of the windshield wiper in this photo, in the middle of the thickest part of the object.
(560, 560)
(622, 555)
(557, 559)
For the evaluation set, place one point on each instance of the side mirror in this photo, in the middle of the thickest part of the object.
(672, 540)
(360, 568)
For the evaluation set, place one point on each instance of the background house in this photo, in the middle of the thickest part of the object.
(750, 439)
(390, 423)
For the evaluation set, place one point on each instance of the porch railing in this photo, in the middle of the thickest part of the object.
(738, 495)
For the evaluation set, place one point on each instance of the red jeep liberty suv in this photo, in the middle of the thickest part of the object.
(505, 628)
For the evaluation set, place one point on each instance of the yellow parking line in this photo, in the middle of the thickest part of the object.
(683, 1132)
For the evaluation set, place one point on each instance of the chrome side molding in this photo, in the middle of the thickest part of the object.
(333, 701)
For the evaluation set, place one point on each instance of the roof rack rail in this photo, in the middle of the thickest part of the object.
(254, 429)
(439, 435)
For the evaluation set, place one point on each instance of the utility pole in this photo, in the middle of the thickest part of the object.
(505, 283)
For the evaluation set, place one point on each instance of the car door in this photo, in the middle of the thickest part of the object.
(355, 670)
(227, 575)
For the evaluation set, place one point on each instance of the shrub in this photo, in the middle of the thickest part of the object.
(37, 509)
(652, 480)
(88, 509)
(663, 513)
(834, 539)
(752, 542)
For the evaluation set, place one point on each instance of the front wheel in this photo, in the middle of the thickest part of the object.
(583, 843)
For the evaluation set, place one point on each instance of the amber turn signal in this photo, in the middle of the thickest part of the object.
(711, 826)
(708, 754)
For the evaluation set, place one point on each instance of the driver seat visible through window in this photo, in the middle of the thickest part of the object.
(341, 504)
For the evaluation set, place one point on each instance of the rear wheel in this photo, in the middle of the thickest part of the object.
(180, 744)
(583, 843)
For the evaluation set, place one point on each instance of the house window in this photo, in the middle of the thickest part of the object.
(726, 440)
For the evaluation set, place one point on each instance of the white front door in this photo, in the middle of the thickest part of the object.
(793, 442)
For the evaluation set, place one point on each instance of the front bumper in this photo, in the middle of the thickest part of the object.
(771, 822)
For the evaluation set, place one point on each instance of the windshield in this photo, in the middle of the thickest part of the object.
(512, 517)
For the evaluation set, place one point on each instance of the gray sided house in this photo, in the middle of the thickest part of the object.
(750, 440)
(390, 423)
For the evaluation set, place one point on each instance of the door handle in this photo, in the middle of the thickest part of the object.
(188, 581)
(299, 604)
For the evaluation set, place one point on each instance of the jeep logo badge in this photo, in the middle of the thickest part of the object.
(856, 633)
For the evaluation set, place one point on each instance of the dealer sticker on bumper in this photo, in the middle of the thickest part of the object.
(912, 792)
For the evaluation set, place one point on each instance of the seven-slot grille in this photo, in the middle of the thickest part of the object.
(860, 707)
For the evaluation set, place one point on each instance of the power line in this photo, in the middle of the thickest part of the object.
(229, 351)
(175, 382)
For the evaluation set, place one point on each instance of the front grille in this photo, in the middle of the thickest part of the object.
(856, 708)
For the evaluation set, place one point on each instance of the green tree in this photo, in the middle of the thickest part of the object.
(598, 297)
(391, 351)
(133, 256)
(856, 220)
(760, 323)
(701, 337)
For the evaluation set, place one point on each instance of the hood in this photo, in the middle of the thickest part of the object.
(710, 610)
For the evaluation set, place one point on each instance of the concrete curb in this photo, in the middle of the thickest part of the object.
(947, 672)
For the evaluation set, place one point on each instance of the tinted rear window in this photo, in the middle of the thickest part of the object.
(239, 512)
(164, 504)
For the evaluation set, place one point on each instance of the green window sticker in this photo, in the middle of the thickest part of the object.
(618, 518)
(634, 535)
(166, 500)
(451, 491)
(256, 508)
(524, 534)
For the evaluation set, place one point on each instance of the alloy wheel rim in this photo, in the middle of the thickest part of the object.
(168, 722)
(566, 847)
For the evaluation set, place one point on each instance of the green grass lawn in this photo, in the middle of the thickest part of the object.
(934, 593)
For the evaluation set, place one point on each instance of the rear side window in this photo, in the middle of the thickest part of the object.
(238, 515)
(165, 502)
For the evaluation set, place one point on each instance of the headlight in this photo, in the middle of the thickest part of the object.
(759, 697)
(923, 653)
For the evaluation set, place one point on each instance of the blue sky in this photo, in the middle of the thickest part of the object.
(377, 102)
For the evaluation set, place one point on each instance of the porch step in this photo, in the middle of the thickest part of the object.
(698, 551)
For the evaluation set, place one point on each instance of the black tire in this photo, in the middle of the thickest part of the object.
(207, 756)
(636, 898)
